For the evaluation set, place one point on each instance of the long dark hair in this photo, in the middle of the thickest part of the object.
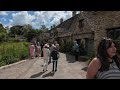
(102, 54)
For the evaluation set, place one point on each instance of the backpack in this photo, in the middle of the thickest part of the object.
(55, 55)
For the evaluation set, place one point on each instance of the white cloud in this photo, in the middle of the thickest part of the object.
(22, 18)
(48, 18)
(9, 24)
(3, 13)
(38, 18)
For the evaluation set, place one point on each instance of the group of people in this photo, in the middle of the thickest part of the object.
(105, 65)
(49, 52)
(34, 50)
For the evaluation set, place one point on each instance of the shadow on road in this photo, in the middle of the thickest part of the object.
(48, 74)
(37, 75)
(85, 68)
(70, 58)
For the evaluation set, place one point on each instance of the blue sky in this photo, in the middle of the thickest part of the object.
(34, 18)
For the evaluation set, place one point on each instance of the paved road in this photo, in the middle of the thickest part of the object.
(32, 69)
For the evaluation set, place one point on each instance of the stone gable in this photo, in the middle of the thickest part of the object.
(95, 27)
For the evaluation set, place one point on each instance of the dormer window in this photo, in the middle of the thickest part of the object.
(81, 23)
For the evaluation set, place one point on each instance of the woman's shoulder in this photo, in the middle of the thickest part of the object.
(94, 66)
(96, 61)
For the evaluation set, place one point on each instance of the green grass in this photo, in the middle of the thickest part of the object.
(13, 52)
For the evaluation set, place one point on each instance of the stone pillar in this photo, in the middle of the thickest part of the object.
(61, 20)
(73, 13)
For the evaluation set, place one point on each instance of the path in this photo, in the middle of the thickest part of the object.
(32, 69)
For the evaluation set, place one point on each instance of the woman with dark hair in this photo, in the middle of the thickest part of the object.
(106, 64)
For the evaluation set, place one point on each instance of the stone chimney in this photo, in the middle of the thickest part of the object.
(51, 27)
(61, 20)
(73, 13)
(54, 26)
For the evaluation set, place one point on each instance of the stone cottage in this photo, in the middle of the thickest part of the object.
(88, 28)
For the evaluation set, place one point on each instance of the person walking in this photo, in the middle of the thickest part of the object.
(55, 56)
(57, 45)
(76, 50)
(32, 50)
(46, 54)
(37, 49)
(42, 45)
(51, 49)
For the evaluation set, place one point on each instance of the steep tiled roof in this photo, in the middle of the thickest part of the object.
(67, 24)
(71, 25)
(66, 27)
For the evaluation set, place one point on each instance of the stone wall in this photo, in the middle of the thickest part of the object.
(101, 21)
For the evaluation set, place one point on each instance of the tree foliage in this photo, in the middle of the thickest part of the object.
(26, 31)
(3, 33)
(2, 29)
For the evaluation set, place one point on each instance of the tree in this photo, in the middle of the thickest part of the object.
(3, 34)
(2, 29)
(20, 30)
(31, 34)
(27, 28)
(3, 37)
(43, 28)
(16, 30)
(7, 29)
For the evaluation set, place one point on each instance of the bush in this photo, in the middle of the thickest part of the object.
(3, 37)
(90, 56)
(67, 48)
(82, 50)
(13, 52)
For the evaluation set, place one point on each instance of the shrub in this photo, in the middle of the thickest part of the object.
(67, 47)
(90, 56)
(13, 52)
(3, 37)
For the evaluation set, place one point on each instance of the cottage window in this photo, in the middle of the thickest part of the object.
(81, 23)
(114, 34)
(110, 34)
